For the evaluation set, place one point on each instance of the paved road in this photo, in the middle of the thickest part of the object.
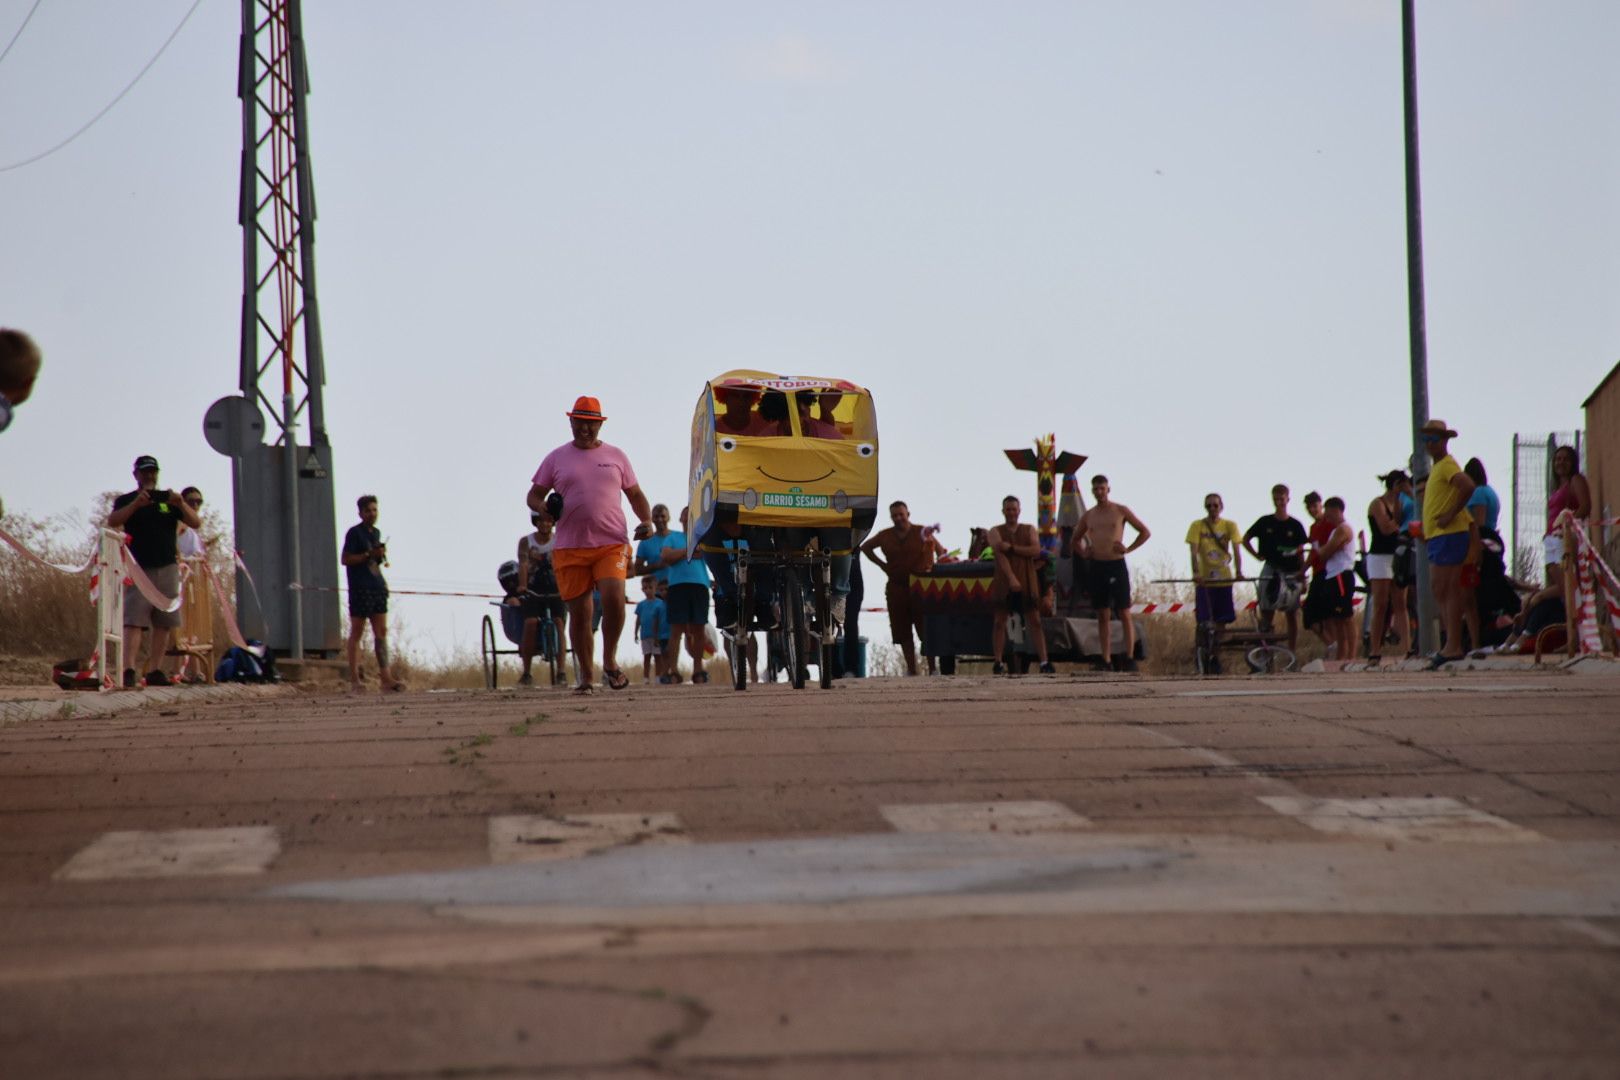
(1354, 875)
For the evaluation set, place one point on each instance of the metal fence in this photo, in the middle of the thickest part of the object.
(1532, 485)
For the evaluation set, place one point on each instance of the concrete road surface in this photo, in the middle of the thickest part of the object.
(1346, 875)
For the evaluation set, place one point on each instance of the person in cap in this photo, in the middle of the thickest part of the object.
(1446, 523)
(151, 517)
(591, 551)
(1386, 527)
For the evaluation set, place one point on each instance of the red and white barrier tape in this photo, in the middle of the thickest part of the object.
(1171, 609)
(18, 544)
(1589, 568)
(232, 630)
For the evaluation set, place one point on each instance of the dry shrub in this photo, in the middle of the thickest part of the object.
(44, 612)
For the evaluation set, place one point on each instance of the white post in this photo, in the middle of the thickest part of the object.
(110, 611)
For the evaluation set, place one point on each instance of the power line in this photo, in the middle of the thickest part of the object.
(7, 50)
(109, 107)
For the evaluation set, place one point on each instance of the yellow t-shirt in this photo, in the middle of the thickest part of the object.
(1215, 546)
(1439, 497)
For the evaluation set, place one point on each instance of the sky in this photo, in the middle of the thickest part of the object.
(1171, 232)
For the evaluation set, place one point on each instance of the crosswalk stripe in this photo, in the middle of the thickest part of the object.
(1010, 818)
(1410, 819)
(248, 849)
(536, 837)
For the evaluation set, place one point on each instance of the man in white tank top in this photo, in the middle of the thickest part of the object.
(1330, 603)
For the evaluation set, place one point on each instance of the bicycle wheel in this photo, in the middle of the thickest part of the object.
(824, 624)
(793, 628)
(1270, 660)
(740, 633)
(486, 649)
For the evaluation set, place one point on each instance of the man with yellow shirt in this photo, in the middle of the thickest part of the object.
(1445, 533)
(1216, 546)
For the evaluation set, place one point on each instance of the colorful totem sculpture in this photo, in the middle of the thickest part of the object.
(1047, 467)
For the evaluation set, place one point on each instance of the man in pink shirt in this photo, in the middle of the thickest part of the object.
(588, 477)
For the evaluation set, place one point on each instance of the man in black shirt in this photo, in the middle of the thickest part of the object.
(151, 517)
(1281, 538)
(364, 556)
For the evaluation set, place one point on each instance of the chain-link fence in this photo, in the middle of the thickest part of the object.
(1532, 485)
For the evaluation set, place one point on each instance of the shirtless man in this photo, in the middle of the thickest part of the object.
(1017, 584)
(905, 550)
(1100, 537)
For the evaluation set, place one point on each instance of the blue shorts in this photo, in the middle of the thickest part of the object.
(688, 605)
(1448, 550)
(1213, 604)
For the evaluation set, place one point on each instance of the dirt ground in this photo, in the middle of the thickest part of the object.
(1342, 875)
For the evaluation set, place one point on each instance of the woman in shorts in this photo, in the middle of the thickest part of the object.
(1570, 492)
(1384, 516)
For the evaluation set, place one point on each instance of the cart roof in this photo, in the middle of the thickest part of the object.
(765, 380)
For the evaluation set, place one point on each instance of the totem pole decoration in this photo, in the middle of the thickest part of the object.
(1047, 467)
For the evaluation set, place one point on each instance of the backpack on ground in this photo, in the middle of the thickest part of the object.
(255, 664)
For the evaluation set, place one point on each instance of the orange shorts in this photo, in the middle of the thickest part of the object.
(579, 569)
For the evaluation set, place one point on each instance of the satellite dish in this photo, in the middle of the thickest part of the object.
(233, 426)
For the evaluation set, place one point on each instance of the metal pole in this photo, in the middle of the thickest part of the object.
(1428, 638)
(314, 353)
(1520, 572)
(295, 592)
(248, 215)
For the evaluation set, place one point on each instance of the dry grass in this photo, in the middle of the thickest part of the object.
(47, 612)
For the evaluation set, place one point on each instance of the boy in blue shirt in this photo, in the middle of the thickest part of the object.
(688, 601)
(652, 624)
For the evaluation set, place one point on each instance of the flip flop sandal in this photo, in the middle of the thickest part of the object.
(584, 690)
(699, 677)
(616, 679)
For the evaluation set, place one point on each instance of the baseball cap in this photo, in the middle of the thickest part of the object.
(586, 408)
(145, 461)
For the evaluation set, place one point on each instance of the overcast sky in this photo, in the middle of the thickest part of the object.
(1170, 232)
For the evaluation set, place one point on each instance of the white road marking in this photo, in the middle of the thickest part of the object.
(1593, 931)
(535, 838)
(1402, 689)
(248, 849)
(1009, 818)
(1215, 757)
(1407, 819)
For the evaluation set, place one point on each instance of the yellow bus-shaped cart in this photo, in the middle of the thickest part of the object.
(784, 451)
(781, 462)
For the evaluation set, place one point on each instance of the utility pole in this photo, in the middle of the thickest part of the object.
(1428, 642)
(285, 527)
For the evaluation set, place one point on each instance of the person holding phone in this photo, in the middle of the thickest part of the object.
(151, 517)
